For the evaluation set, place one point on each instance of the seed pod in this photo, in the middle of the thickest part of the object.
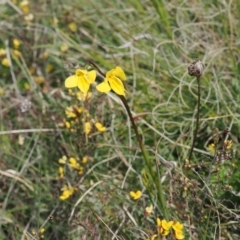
(196, 68)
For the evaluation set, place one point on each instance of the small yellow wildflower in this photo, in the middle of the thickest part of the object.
(64, 47)
(153, 237)
(82, 79)
(84, 96)
(39, 80)
(136, 195)
(61, 172)
(228, 144)
(70, 112)
(211, 148)
(74, 164)
(85, 159)
(67, 125)
(5, 62)
(178, 230)
(100, 127)
(148, 210)
(113, 80)
(72, 26)
(17, 53)
(2, 52)
(87, 128)
(24, 6)
(27, 86)
(49, 68)
(16, 43)
(163, 227)
(42, 230)
(62, 160)
(67, 192)
(29, 17)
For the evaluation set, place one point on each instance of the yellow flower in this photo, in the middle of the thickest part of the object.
(29, 17)
(64, 47)
(67, 125)
(87, 128)
(84, 96)
(211, 148)
(67, 192)
(163, 226)
(61, 172)
(39, 80)
(73, 163)
(153, 237)
(62, 160)
(26, 86)
(82, 79)
(85, 159)
(178, 230)
(2, 52)
(24, 6)
(228, 144)
(148, 210)
(72, 26)
(16, 43)
(113, 80)
(100, 127)
(179, 235)
(5, 62)
(136, 195)
(70, 113)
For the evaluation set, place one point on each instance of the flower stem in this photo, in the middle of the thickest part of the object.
(155, 178)
(197, 119)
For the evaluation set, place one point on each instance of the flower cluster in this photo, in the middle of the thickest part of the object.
(73, 164)
(67, 191)
(164, 227)
(14, 52)
(78, 116)
(84, 78)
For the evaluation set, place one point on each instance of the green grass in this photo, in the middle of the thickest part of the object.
(154, 42)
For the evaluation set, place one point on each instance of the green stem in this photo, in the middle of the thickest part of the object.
(157, 182)
(197, 119)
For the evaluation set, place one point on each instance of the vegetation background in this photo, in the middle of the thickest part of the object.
(43, 42)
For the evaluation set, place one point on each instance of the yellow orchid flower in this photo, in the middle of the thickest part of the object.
(163, 226)
(136, 195)
(82, 79)
(113, 81)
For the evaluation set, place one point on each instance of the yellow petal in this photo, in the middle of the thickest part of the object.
(91, 76)
(103, 87)
(120, 73)
(83, 85)
(117, 86)
(71, 81)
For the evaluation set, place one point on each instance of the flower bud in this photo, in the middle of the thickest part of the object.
(196, 68)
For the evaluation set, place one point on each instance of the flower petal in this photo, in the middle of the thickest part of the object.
(83, 85)
(91, 76)
(117, 85)
(71, 81)
(120, 73)
(103, 87)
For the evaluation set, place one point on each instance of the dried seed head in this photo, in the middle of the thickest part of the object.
(196, 68)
